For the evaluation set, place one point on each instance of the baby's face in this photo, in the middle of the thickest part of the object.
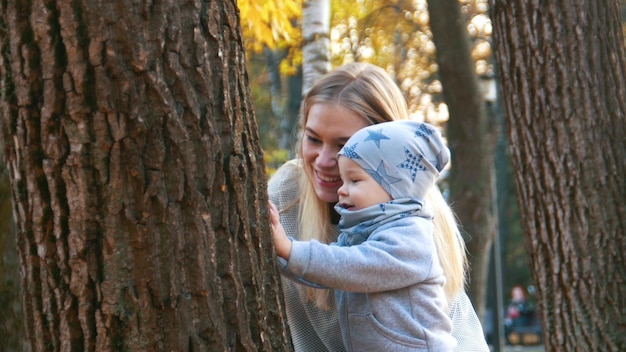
(359, 189)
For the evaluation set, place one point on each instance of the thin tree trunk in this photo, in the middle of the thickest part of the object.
(285, 103)
(137, 178)
(563, 69)
(316, 41)
(472, 135)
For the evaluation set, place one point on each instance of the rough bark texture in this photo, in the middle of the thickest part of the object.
(472, 136)
(11, 322)
(137, 177)
(563, 70)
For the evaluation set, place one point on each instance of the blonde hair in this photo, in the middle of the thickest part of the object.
(369, 91)
(449, 243)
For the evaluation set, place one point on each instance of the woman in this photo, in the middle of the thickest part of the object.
(305, 190)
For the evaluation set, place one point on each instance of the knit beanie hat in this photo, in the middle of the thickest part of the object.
(405, 157)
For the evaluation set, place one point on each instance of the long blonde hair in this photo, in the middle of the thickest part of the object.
(369, 91)
(449, 243)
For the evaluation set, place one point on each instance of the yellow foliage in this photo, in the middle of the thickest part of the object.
(274, 159)
(270, 23)
(393, 34)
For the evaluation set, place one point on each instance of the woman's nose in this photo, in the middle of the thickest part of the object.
(327, 157)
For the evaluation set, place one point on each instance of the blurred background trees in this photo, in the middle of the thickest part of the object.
(397, 36)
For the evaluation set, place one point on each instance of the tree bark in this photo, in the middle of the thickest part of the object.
(137, 178)
(472, 136)
(11, 322)
(316, 41)
(563, 70)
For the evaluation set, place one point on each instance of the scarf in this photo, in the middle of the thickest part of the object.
(357, 225)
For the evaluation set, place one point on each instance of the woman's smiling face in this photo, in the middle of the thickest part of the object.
(328, 127)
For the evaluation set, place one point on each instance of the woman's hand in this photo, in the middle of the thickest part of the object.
(282, 243)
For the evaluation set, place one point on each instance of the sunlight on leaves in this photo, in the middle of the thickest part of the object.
(270, 23)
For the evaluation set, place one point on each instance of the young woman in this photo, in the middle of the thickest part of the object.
(384, 267)
(305, 191)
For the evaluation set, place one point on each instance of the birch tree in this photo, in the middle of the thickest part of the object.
(315, 41)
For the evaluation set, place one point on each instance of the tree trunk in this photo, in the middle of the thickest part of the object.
(472, 136)
(316, 41)
(563, 70)
(11, 322)
(285, 102)
(137, 178)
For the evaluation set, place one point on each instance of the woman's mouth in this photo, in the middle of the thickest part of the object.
(328, 181)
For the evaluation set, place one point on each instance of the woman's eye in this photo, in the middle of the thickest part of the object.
(312, 139)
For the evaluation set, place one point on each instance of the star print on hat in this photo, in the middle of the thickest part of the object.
(405, 157)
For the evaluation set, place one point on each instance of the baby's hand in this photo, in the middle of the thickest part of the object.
(282, 243)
